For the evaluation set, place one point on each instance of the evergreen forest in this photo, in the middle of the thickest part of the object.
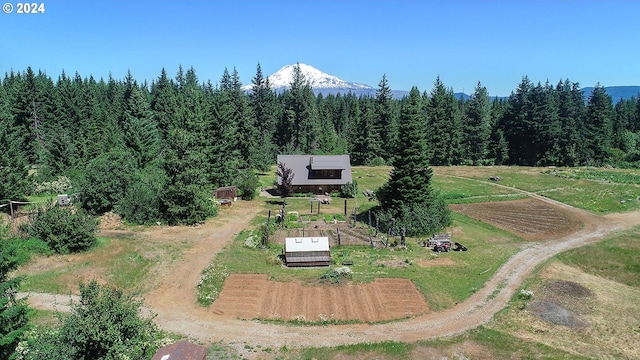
(154, 152)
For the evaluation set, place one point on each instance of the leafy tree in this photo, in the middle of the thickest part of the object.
(64, 229)
(13, 311)
(105, 180)
(349, 190)
(248, 184)
(285, 179)
(105, 324)
(141, 202)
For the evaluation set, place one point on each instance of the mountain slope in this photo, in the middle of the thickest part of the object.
(319, 81)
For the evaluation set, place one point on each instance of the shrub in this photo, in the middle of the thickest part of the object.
(247, 184)
(349, 190)
(56, 187)
(105, 324)
(64, 229)
(377, 161)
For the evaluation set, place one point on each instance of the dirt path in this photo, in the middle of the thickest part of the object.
(177, 311)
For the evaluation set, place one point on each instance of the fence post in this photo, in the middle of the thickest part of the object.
(338, 236)
(265, 240)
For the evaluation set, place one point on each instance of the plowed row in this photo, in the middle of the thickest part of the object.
(530, 219)
(250, 296)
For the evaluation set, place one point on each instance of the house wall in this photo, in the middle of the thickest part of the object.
(308, 258)
(316, 189)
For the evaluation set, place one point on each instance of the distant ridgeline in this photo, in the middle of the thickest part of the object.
(617, 93)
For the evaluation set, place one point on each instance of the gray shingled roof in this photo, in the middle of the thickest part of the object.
(300, 164)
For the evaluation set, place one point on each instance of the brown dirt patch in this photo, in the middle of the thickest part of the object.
(250, 296)
(554, 313)
(531, 219)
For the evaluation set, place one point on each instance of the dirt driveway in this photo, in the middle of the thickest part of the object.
(174, 300)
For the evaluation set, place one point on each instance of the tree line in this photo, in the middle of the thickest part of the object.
(154, 152)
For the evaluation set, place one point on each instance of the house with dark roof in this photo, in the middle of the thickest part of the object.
(317, 174)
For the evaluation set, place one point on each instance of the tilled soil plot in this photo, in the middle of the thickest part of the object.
(530, 219)
(250, 296)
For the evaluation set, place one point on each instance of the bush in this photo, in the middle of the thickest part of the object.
(247, 184)
(141, 202)
(349, 190)
(105, 324)
(64, 229)
(377, 161)
(418, 219)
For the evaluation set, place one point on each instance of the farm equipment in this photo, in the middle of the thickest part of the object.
(442, 247)
(459, 247)
(442, 243)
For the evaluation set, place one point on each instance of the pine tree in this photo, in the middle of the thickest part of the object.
(141, 135)
(247, 134)
(408, 195)
(477, 126)
(301, 113)
(517, 125)
(444, 125)
(365, 139)
(186, 199)
(599, 125)
(262, 102)
(14, 180)
(386, 123)
(411, 175)
(571, 110)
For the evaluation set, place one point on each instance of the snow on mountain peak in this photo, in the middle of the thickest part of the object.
(316, 79)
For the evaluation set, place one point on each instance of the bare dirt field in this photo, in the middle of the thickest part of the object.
(531, 219)
(249, 296)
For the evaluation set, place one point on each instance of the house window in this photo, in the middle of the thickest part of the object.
(325, 174)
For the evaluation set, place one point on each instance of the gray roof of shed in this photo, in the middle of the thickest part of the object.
(300, 164)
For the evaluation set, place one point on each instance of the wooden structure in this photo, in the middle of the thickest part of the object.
(226, 192)
(307, 251)
(317, 174)
(181, 350)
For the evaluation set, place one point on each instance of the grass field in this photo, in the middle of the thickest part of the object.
(610, 268)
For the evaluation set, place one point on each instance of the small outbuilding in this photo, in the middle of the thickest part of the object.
(307, 251)
(181, 350)
(226, 192)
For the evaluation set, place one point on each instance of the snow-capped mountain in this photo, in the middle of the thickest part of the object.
(319, 81)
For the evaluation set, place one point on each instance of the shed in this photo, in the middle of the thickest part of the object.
(226, 192)
(307, 251)
(181, 350)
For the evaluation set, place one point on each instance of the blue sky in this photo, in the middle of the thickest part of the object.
(412, 42)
